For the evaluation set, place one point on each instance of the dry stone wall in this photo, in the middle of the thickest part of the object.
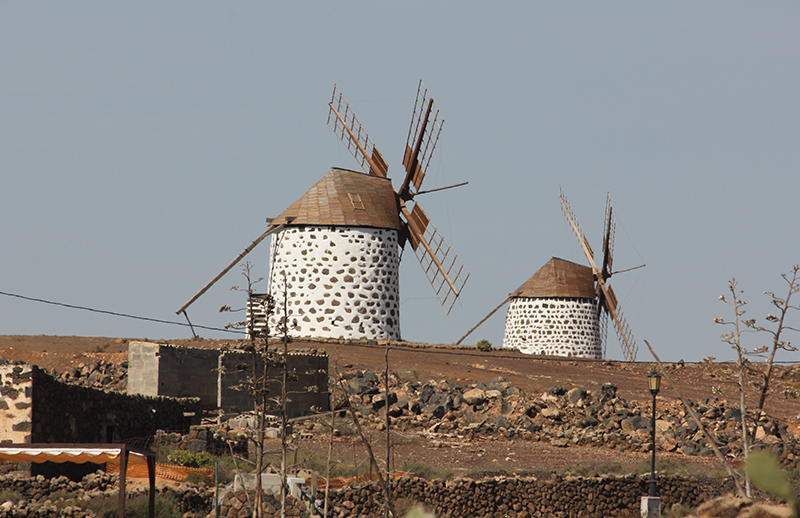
(567, 497)
(341, 282)
(555, 326)
(60, 497)
(55, 412)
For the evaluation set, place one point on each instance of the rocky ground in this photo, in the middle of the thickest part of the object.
(471, 413)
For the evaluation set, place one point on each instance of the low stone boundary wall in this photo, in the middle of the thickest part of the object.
(238, 504)
(36, 491)
(563, 497)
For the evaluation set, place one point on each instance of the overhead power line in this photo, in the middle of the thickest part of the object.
(114, 313)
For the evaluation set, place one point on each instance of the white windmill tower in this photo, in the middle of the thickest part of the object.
(338, 246)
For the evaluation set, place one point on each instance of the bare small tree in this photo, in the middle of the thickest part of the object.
(757, 374)
(270, 390)
(257, 343)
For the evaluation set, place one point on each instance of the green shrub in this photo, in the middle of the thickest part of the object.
(191, 459)
(484, 345)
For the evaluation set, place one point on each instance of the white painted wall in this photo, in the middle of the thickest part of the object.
(342, 282)
(556, 327)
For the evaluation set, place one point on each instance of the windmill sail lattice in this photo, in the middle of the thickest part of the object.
(606, 297)
(423, 135)
(344, 123)
(445, 272)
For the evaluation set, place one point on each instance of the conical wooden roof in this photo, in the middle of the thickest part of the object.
(559, 278)
(345, 198)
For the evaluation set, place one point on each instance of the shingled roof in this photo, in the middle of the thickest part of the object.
(345, 198)
(559, 278)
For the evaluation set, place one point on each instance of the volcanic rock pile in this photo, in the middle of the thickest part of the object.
(560, 417)
(101, 374)
(238, 504)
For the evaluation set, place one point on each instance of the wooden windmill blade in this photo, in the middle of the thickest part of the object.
(621, 326)
(608, 239)
(423, 134)
(444, 271)
(344, 123)
(605, 294)
(573, 223)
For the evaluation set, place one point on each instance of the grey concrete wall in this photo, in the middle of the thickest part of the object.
(188, 372)
(143, 368)
(166, 370)
(213, 376)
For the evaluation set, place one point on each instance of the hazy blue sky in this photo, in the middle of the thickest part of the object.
(143, 144)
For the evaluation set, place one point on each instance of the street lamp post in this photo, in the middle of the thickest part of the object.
(651, 504)
(654, 382)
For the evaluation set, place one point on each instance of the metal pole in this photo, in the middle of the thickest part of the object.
(216, 488)
(653, 458)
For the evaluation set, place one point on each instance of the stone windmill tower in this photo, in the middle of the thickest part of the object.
(555, 313)
(335, 252)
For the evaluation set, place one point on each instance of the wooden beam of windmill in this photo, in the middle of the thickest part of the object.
(344, 123)
(492, 312)
(610, 298)
(608, 239)
(271, 230)
(423, 135)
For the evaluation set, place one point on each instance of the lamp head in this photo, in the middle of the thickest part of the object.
(654, 382)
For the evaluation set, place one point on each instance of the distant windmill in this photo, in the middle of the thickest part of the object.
(339, 245)
(605, 295)
(555, 313)
(562, 309)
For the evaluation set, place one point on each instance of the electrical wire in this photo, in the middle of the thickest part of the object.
(114, 313)
(416, 350)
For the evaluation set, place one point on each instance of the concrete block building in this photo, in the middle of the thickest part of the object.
(214, 376)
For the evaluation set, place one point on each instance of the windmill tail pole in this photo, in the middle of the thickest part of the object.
(484, 320)
(271, 230)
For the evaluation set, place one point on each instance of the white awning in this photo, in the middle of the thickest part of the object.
(77, 455)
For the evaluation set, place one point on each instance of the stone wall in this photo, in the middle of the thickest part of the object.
(65, 498)
(342, 282)
(566, 497)
(307, 385)
(166, 370)
(54, 412)
(16, 398)
(555, 327)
